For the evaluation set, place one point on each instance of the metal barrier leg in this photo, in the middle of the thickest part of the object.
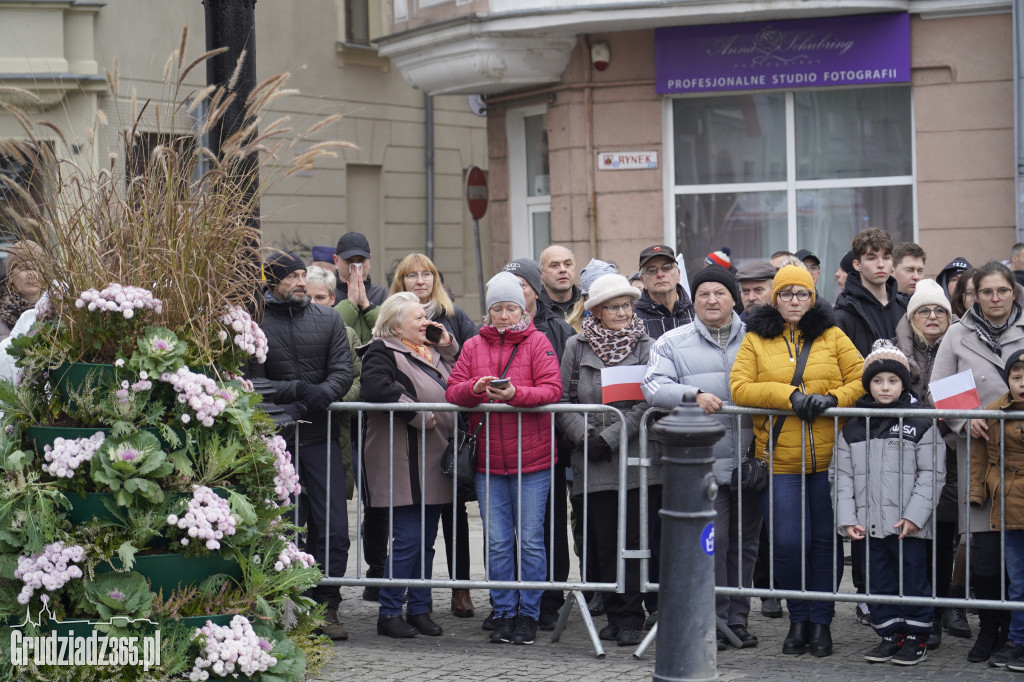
(646, 644)
(588, 622)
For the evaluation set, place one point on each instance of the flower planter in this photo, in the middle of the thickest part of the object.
(77, 376)
(167, 571)
(39, 436)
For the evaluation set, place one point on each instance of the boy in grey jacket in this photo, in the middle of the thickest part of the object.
(885, 475)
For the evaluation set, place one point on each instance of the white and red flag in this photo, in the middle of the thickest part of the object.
(622, 383)
(957, 392)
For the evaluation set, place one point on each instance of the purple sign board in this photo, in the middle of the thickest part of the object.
(801, 53)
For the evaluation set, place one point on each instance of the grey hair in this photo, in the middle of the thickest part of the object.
(392, 313)
(317, 275)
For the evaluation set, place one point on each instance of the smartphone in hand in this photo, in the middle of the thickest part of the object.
(434, 335)
(499, 383)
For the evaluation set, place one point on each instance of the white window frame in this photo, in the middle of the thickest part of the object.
(790, 185)
(522, 206)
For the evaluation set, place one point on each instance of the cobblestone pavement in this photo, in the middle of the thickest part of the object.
(463, 653)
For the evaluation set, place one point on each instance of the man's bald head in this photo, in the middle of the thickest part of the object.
(558, 272)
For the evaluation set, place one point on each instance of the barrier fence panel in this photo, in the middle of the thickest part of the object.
(971, 490)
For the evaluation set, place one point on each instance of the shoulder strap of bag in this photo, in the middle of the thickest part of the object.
(574, 379)
(476, 431)
(798, 376)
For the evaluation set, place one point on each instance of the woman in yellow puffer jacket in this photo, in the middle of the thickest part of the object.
(761, 377)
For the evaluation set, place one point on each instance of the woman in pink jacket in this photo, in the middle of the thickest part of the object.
(513, 450)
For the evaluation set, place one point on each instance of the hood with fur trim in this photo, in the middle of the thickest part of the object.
(767, 322)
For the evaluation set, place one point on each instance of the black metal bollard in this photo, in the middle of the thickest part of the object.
(687, 647)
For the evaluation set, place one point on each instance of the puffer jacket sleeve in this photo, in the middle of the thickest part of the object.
(846, 506)
(463, 376)
(931, 475)
(572, 424)
(339, 359)
(547, 378)
(662, 385)
(851, 365)
(744, 384)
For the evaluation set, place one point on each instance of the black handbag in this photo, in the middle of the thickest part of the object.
(752, 472)
(459, 457)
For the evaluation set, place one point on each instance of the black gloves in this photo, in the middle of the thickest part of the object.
(317, 396)
(808, 406)
(296, 410)
(598, 449)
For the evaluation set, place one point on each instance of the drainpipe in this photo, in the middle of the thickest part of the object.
(428, 124)
(588, 105)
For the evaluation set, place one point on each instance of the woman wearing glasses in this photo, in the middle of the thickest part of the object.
(613, 336)
(511, 362)
(929, 316)
(797, 324)
(989, 331)
(417, 274)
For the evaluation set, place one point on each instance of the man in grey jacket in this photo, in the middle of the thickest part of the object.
(697, 358)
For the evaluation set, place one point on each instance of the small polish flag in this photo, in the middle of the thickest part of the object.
(622, 383)
(957, 392)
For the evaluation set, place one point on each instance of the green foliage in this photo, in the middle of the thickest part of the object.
(30, 511)
(129, 468)
(120, 594)
(159, 350)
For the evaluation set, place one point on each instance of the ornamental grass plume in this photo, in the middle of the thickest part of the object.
(176, 220)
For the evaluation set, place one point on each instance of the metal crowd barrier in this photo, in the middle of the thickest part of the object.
(573, 587)
(837, 415)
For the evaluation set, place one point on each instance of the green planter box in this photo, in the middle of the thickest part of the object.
(76, 376)
(167, 571)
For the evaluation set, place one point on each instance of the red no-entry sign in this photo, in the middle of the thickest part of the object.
(476, 192)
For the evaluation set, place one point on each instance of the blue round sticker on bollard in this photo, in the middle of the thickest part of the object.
(707, 539)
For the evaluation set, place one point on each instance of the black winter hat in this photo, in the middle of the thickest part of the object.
(716, 273)
(280, 265)
(1015, 357)
(847, 263)
(885, 357)
(528, 269)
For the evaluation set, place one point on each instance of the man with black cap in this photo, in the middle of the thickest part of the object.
(553, 326)
(663, 305)
(358, 297)
(309, 366)
(811, 262)
(950, 275)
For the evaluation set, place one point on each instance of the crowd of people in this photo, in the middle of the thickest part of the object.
(758, 336)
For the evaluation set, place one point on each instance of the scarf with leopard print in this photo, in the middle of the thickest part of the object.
(612, 347)
(12, 305)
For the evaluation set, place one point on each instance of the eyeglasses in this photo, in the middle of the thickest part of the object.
(802, 295)
(413, 276)
(620, 308)
(813, 268)
(653, 269)
(1001, 292)
(925, 313)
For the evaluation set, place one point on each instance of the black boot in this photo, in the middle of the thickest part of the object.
(796, 641)
(935, 639)
(988, 636)
(820, 640)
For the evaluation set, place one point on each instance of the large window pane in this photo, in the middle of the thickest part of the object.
(752, 224)
(540, 220)
(735, 138)
(852, 133)
(827, 220)
(538, 182)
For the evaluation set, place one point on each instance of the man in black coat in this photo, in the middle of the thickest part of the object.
(870, 306)
(309, 366)
(553, 326)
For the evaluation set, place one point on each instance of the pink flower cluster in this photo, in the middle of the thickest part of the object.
(208, 517)
(66, 454)
(248, 335)
(292, 555)
(49, 569)
(203, 394)
(119, 299)
(231, 650)
(286, 481)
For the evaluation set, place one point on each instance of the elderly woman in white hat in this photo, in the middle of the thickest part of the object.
(613, 336)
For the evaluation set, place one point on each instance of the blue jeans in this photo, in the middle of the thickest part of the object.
(404, 561)
(1015, 586)
(813, 552)
(500, 506)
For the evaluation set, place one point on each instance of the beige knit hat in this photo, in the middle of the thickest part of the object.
(928, 292)
(885, 357)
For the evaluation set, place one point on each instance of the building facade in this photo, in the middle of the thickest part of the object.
(59, 50)
(615, 125)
